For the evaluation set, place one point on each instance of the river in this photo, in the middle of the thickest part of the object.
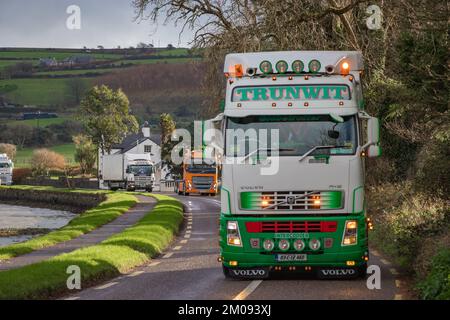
(20, 217)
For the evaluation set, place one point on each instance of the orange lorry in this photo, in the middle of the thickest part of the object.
(201, 178)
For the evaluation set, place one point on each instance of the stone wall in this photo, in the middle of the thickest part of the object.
(70, 201)
(80, 183)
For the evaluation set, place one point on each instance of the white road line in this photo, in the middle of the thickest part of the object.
(188, 227)
(393, 271)
(106, 286)
(247, 291)
(398, 297)
(398, 283)
(72, 298)
(385, 262)
(187, 236)
(155, 263)
(177, 247)
(135, 274)
(374, 252)
(183, 241)
(188, 231)
(167, 255)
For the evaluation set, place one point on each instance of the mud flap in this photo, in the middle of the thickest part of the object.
(249, 273)
(338, 273)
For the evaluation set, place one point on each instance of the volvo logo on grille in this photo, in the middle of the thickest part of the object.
(290, 200)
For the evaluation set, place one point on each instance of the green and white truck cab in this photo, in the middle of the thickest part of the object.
(295, 135)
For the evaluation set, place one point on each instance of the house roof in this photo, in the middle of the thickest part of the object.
(131, 140)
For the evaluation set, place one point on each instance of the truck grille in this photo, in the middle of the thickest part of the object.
(202, 183)
(142, 180)
(291, 226)
(292, 200)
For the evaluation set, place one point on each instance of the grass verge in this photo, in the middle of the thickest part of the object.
(118, 254)
(114, 205)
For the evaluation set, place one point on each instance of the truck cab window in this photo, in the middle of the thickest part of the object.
(297, 134)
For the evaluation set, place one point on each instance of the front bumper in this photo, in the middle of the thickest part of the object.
(333, 255)
(336, 259)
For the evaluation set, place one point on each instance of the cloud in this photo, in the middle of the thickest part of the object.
(103, 22)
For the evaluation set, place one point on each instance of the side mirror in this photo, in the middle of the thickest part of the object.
(374, 151)
(333, 134)
(373, 130)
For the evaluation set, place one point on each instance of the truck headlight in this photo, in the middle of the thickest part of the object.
(233, 235)
(350, 233)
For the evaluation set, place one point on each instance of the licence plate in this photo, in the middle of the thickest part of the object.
(291, 257)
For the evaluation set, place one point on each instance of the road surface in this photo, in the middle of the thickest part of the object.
(189, 270)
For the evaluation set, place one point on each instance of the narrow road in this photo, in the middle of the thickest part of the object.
(189, 270)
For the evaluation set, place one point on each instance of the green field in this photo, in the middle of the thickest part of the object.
(59, 55)
(41, 122)
(24, 155)
(49, 92)
(77, 72)
(5, 63)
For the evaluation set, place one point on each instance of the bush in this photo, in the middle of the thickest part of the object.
(437, 283)
(405, 220)
(44, 160)
(19, 174)
(433, 167)
(9, 149)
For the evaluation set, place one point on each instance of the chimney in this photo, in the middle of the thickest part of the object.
(146, 130)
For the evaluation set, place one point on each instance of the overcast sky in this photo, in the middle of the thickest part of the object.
(42, 23)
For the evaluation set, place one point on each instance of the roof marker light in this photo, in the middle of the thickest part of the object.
(345, 68)
(239, 71)
(306, 104)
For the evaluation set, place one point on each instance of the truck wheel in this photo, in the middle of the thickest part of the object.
(362, 271)
(226, 272)
(186, 194)
(149, 189)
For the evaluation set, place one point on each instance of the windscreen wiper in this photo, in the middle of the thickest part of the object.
(318, 147)
(265, 149)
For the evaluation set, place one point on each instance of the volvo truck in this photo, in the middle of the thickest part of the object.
(199, 176)
(295, 136)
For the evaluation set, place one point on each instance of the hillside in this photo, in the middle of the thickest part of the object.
(156, 80)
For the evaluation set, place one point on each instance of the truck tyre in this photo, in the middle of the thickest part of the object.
(226, 272)
(362, 271)
(149, 189)
(186, 194)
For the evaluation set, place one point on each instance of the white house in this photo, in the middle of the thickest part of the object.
(139, 143)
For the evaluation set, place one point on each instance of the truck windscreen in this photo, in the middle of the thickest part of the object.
(4, 165)
(201, 168)
(297, 135)
(140, 170)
